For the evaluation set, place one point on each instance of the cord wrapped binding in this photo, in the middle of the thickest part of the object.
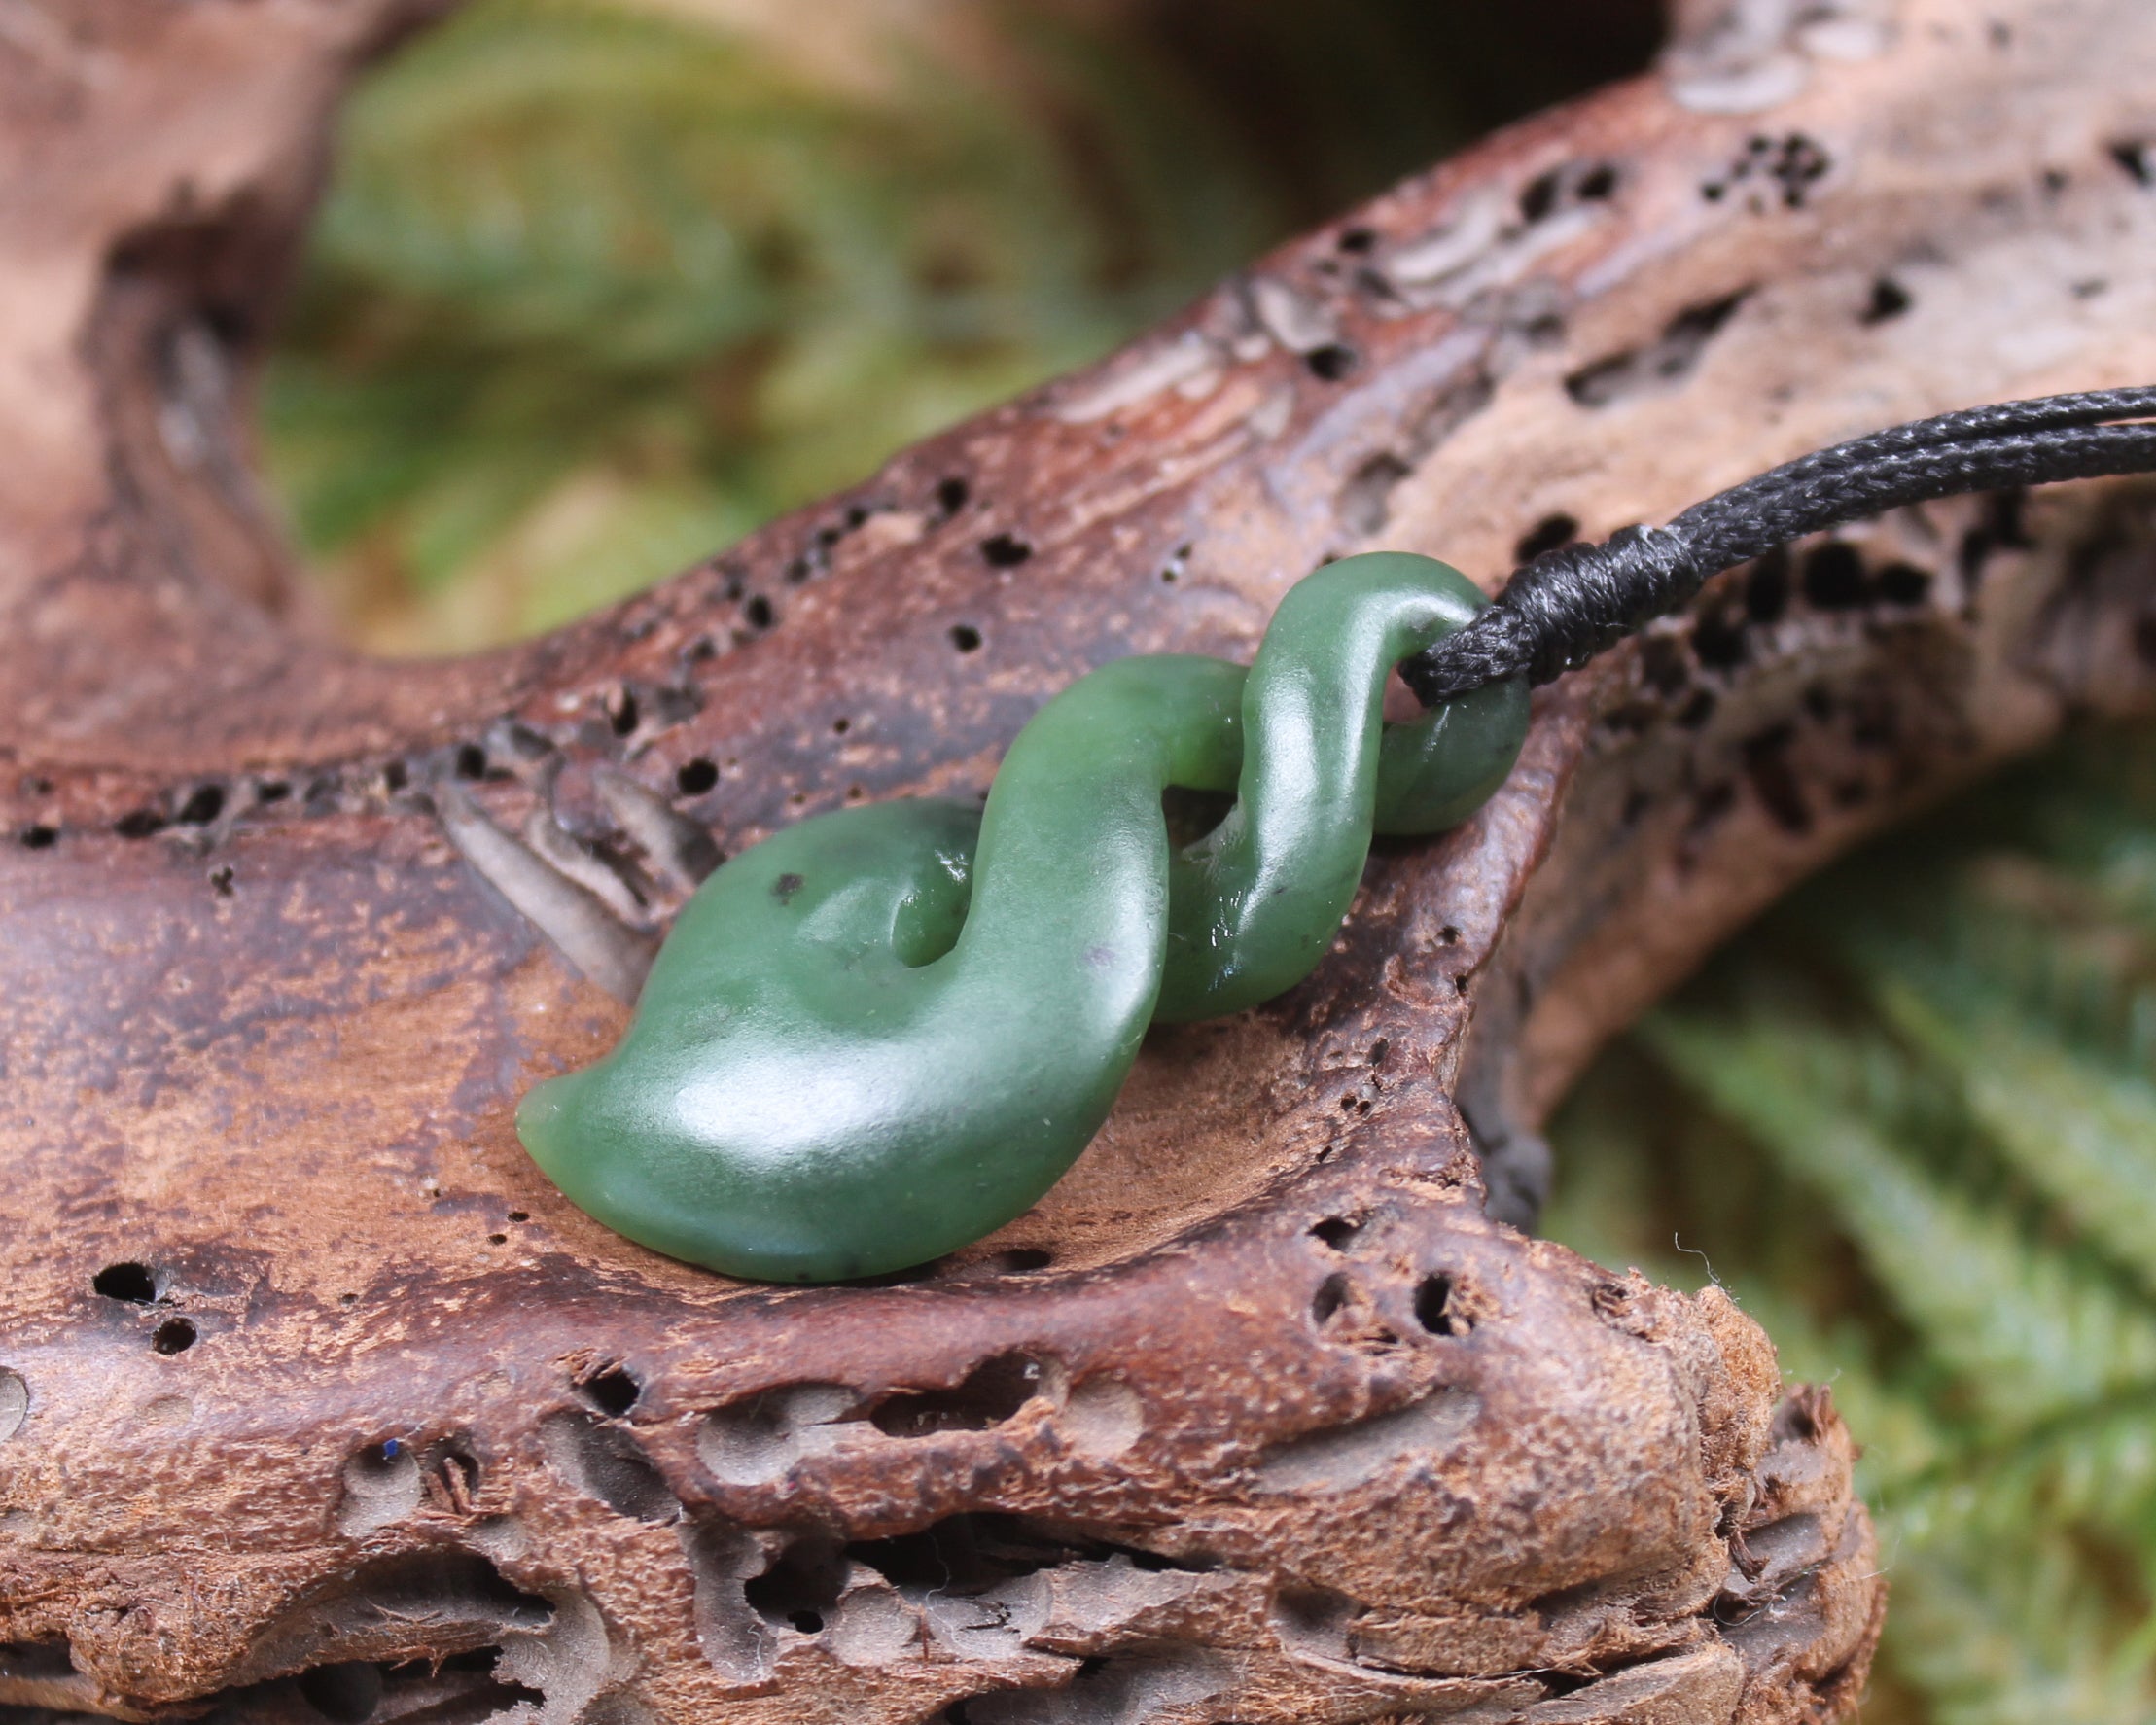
(1571, 604)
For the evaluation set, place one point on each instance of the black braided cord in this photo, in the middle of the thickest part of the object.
(1567, 605)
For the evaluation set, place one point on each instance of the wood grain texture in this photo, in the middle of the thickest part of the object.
(1260, 1416)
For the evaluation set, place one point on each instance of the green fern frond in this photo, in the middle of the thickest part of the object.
(2081, 1132)
(2028, 1328)
(2012, 1635)
(1911, 1122)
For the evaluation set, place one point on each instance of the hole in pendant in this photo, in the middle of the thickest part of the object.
(1191, 815)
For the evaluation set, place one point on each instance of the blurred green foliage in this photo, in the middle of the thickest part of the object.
(598, 290)
(1909, 1121)
(602, 284)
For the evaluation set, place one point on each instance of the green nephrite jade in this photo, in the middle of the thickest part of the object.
(886, 1032)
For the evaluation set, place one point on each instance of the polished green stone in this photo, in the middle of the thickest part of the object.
(887, 1031)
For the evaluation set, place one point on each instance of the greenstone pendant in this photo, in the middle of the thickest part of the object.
(884, 1033)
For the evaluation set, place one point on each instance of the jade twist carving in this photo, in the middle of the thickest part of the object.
(887, 1031)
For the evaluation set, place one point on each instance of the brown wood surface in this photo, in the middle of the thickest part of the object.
(1258, 1417)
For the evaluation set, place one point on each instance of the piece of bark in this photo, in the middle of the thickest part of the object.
(312, 1392)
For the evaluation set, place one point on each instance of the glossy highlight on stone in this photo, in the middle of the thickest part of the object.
(884, 1033)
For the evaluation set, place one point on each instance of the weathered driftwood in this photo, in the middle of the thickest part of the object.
(312, 1393)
